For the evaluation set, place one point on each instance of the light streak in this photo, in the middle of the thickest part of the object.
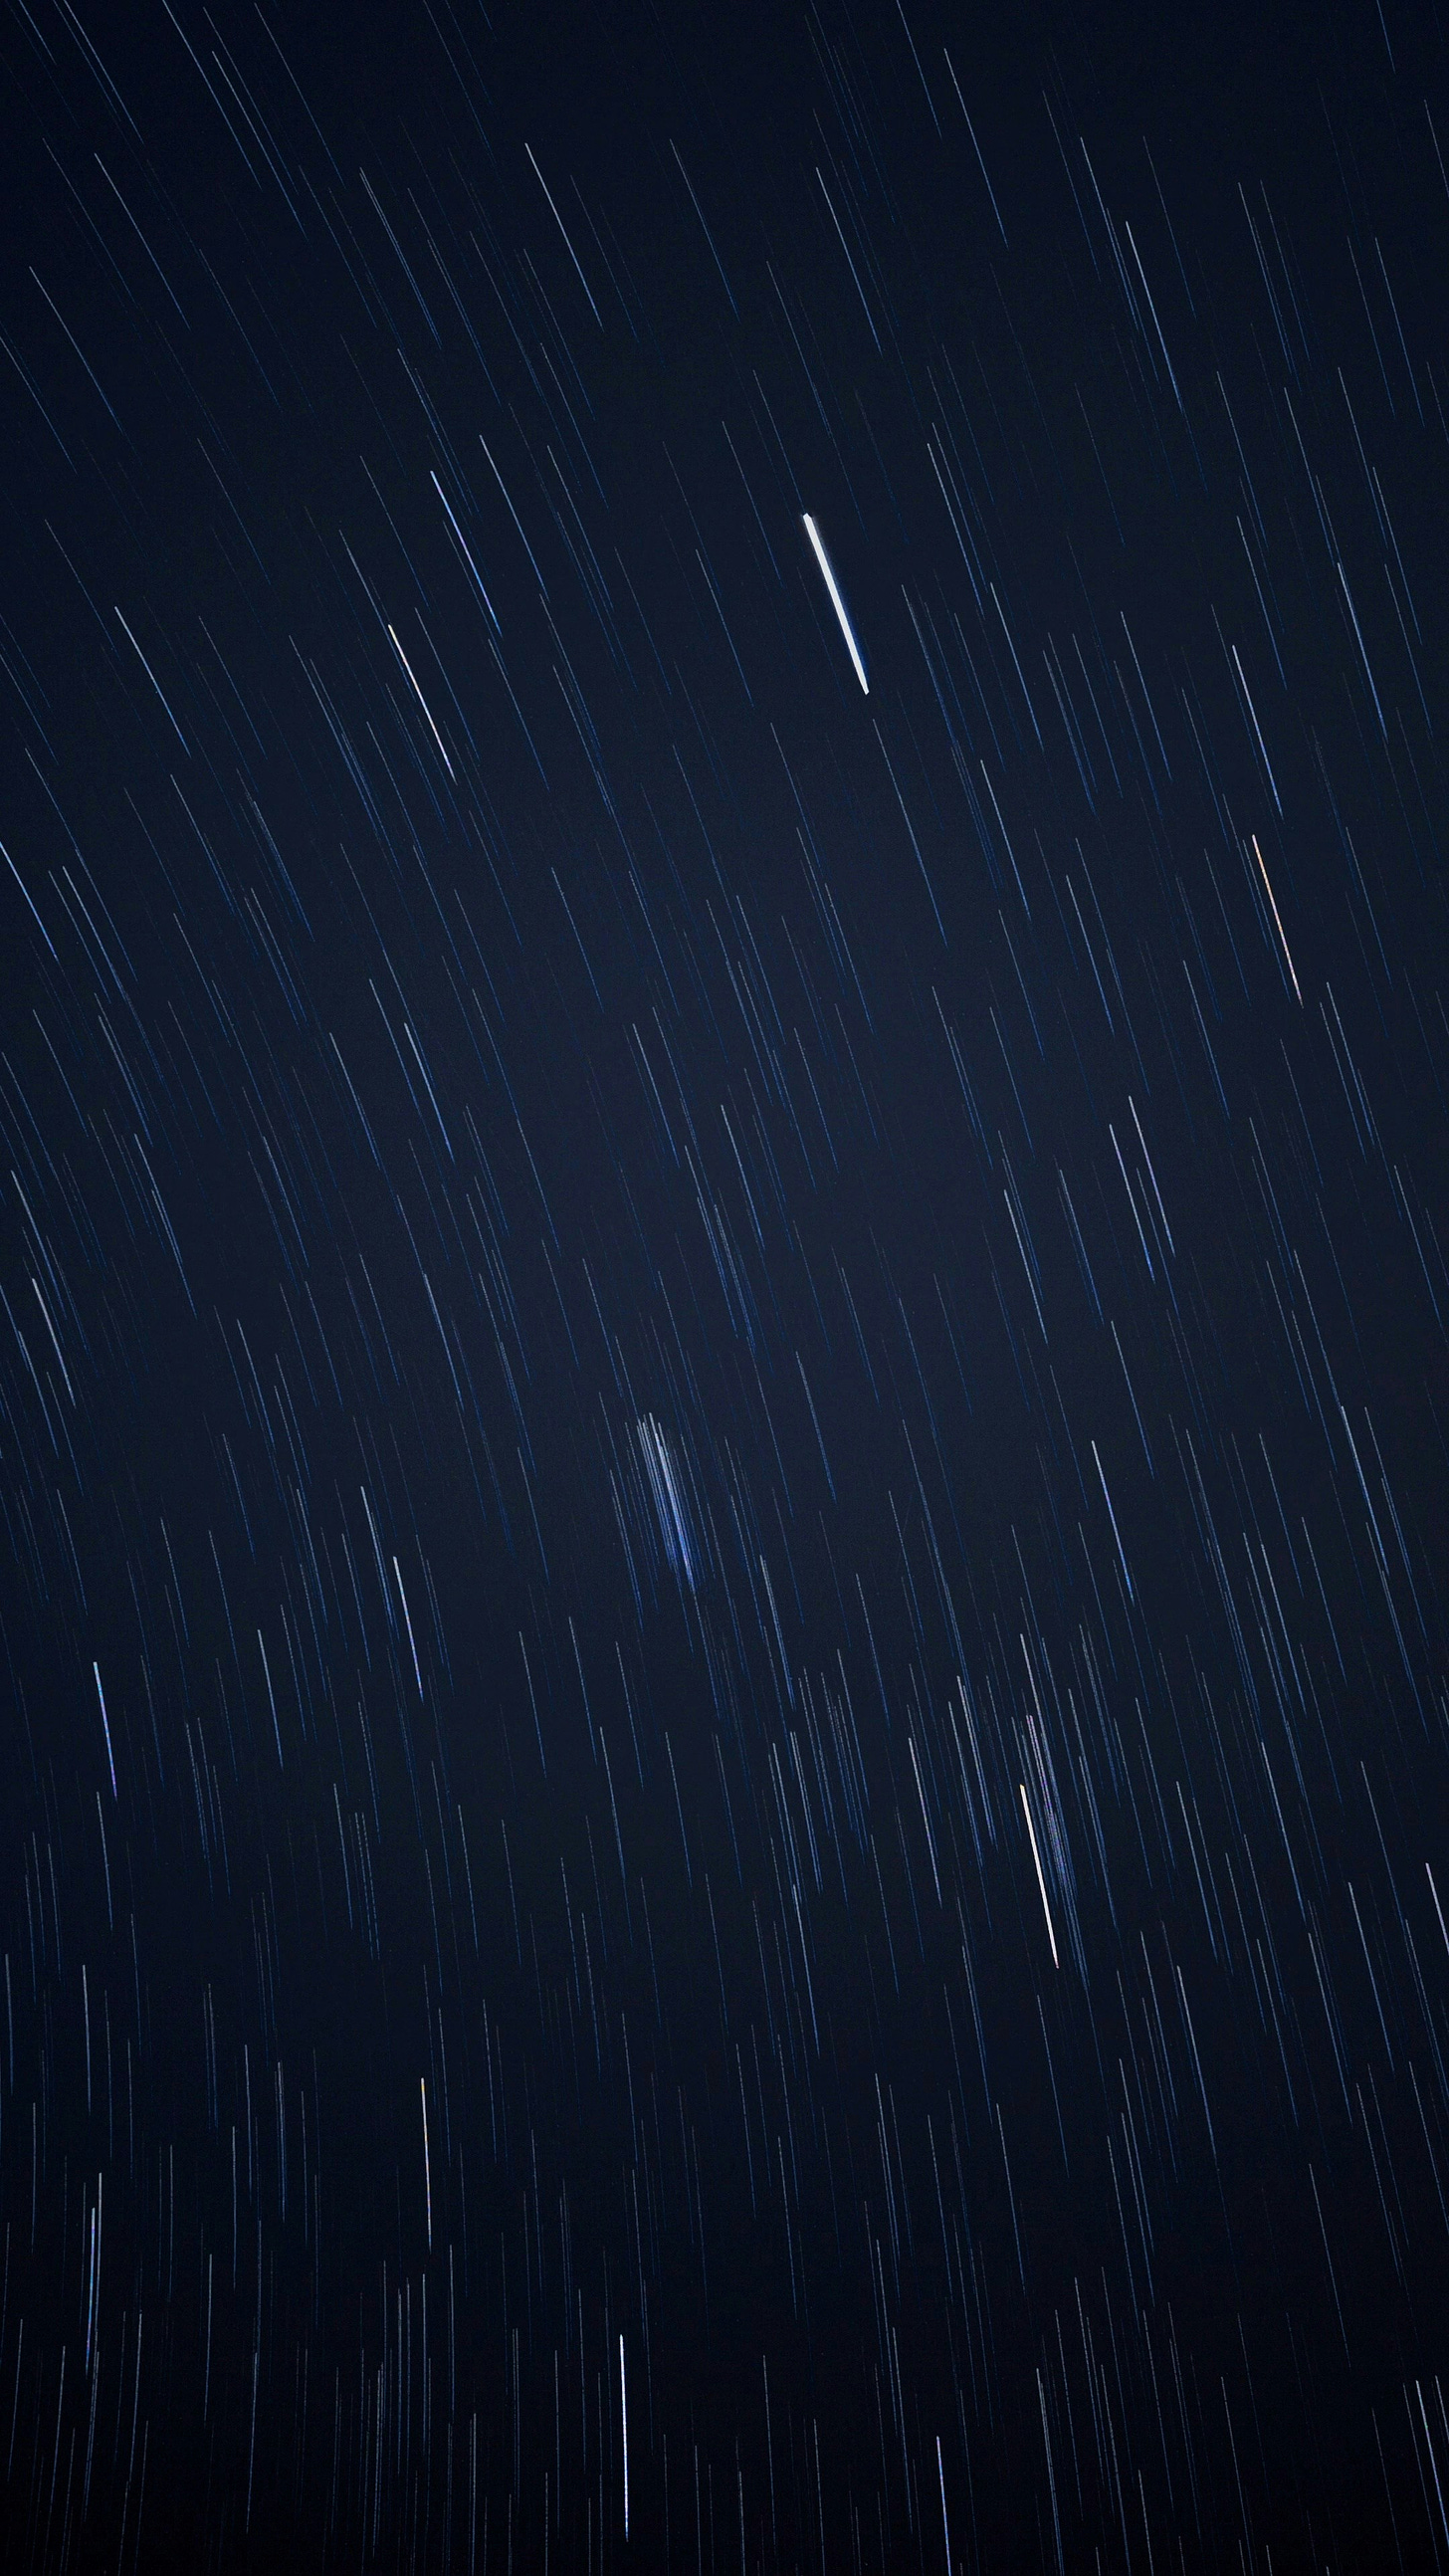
(624, 2421)
(106, 1725)
(1041, 1882)
(427, 2169)
(1272, 898)
(1107, 1499)
(837, 603)
(422, 701)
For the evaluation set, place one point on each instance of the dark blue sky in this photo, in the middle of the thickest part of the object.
(723, 1379)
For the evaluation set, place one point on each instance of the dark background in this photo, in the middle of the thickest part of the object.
(656, 1312)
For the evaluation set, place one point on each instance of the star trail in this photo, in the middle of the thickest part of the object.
(724, 1262)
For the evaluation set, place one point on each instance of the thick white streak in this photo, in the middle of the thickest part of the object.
(1041, 1882)
(837, 603)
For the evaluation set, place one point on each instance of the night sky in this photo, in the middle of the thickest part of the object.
(724, 1409)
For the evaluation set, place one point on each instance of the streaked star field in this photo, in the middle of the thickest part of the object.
(724, 1265)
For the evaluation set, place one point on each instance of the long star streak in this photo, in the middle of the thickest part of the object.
(837, 603)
